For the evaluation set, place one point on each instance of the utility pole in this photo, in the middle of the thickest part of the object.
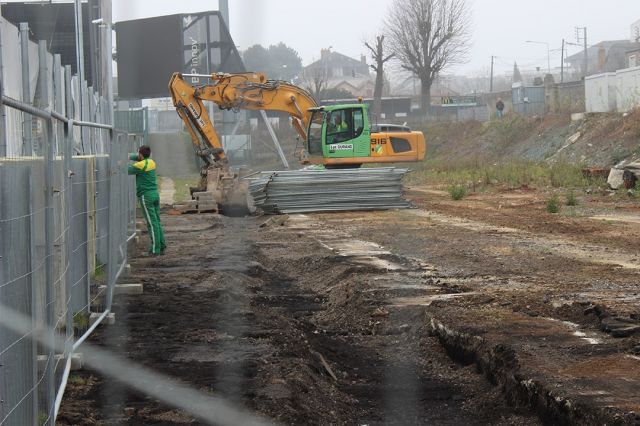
(586, 54)
(586, 57)
(548, 54)
(491, 81)
(562, 63)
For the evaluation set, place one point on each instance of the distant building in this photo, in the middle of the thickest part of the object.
(606, 56)
(633, 58)
(338, 71)
(357, 86)
(391, 107)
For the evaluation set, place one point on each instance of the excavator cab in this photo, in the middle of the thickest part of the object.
(339, 132)
(341, 136)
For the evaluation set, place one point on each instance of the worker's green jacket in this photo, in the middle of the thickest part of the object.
(145, 172)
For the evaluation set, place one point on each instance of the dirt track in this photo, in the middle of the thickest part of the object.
(357, 318)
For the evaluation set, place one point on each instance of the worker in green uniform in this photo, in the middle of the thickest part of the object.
(144, 169)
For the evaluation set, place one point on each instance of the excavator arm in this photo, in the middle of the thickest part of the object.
(250, 91)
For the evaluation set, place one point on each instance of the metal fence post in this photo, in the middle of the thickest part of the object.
(58, 104)
(3, 279)
(90, 174)
(27, 147)
(49, 229)
(33, 284)
(80, 62)
(3, 113)
(113, 199)
(68, 152)
(84, 116)
(91, 105)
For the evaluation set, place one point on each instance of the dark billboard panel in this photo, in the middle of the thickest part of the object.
(150, 50)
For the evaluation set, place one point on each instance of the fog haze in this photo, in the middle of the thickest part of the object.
(500, 28)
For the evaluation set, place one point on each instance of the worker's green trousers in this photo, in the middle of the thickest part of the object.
(150, 204)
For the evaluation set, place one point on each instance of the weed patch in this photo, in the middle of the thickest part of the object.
(77, 380)
(457, 192)
(553, 205)
(571, 199)
(515, 174)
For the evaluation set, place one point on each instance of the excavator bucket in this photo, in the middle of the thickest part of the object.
(220, 191)
(229, 191)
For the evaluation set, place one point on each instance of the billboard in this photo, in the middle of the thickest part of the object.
(150, 50)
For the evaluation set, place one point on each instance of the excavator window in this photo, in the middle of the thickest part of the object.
(340, 126)
(358, 122)
(314, 135)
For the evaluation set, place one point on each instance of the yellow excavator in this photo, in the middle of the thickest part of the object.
(336, 136)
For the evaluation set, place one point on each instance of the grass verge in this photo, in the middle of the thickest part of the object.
(478, 175)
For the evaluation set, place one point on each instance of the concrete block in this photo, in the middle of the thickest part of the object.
(125, 289)
(207, 207)
(203, 196)
(186, 208)
(77, 361)
(208, 210)
(110, 319)
(615, 180)
(577, 116)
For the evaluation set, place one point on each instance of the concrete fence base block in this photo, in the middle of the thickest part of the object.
(77, 361)
(110, 319)
(124, 289)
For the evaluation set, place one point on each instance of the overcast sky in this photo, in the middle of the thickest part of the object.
(500, 27)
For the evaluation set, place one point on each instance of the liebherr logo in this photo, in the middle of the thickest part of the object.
(195, 59)
(196, 115)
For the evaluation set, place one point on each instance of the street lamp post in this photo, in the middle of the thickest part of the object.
(548, 55)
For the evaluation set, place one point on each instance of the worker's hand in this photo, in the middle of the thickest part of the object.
(134, 156)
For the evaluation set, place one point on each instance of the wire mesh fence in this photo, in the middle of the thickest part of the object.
(67, 211)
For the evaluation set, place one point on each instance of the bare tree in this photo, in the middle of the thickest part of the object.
(427, 36)
(379, 58)
(315, 81)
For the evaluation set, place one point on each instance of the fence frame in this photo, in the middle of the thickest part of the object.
(60, 142)
(115, 266)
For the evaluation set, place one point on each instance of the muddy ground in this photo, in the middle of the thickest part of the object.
(487, 310)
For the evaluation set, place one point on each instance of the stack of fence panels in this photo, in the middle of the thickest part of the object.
(304, 191)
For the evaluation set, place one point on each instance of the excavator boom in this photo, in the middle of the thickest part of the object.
(250, 91)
